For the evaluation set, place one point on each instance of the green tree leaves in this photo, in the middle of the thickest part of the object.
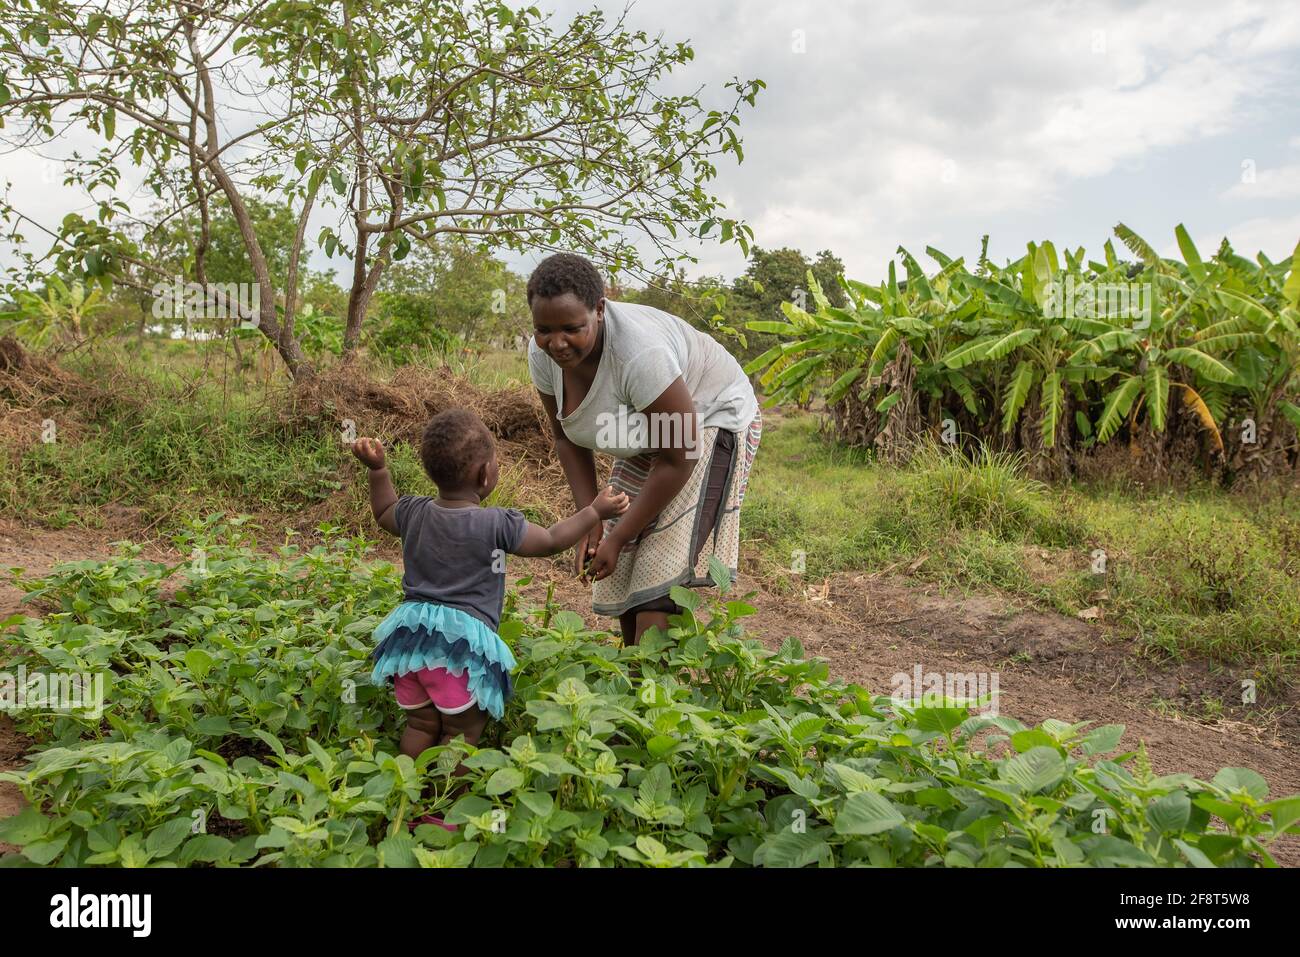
(423, 121)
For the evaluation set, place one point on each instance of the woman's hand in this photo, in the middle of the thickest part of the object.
(370, 452)
(606, 557)
(586, 549)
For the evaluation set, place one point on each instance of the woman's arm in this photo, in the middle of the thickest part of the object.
(668, 475)
(580, 469)
(578, 463)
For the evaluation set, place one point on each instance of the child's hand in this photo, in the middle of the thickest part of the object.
(370, 452)
(610, 502)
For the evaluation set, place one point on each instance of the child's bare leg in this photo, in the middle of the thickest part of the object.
(469, 723)
(423, 730)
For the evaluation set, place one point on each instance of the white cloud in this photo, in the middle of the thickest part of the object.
(907, 123)
(1276, 237)
(1279, 182)
(1018, 103)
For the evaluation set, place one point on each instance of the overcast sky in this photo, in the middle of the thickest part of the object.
(931, 123)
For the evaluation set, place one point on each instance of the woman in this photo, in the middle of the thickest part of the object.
(684, 461)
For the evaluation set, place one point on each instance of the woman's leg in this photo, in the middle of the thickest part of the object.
(654, 613)
(648, 614)
(649, 619)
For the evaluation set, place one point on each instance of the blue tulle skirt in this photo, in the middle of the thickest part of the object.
(422, 634)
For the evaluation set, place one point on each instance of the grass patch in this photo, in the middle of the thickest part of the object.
(179, 432)
(1195, 571)
(1199, 571)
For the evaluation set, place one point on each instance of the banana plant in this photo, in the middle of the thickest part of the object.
(930, 316)
(835, 337)
(1217, 335)
(1265, 337)
(1038, 335)
(60, 316)
(1168, 355)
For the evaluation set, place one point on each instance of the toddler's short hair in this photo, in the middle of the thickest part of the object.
(566, 272)
(455, 444)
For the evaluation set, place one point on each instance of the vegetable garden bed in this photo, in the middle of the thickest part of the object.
(240, 728)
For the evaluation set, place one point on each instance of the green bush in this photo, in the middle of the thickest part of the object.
(989, 492)
(241, 728)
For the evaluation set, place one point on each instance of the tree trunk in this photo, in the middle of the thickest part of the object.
(1053, 463)
(1269, 454)
(288, 347)
(902, 428)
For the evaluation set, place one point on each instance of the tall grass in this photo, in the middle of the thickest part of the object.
(178, 430)
(989, 492)
(1202, 571)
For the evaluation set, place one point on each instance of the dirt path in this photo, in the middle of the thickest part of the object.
(870, 628)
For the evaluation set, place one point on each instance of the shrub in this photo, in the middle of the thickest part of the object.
(242, 729)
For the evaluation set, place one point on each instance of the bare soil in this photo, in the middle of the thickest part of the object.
(871, 627)
(12, 748)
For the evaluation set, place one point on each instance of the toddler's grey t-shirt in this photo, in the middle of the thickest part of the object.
(457, 556)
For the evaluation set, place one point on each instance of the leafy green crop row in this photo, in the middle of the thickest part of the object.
(240, 728)
(1058, 354)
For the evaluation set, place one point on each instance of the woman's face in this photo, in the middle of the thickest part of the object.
(565, 328)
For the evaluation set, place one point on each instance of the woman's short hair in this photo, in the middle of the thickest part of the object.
(567, 272)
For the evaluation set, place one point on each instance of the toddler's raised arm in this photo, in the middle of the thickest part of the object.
(383, 497)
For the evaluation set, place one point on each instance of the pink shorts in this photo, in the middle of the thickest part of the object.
(449, 694)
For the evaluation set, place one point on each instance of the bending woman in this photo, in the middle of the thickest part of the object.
(684, 461)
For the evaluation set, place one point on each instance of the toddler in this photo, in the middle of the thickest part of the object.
(451, 669)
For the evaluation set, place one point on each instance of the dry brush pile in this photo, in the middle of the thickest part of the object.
(35, 392)
(396, 410)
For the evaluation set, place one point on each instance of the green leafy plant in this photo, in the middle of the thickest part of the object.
(62, 315)
(999, 354)
(240, 728)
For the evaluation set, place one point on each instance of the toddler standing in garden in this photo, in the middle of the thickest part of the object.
(451, 669)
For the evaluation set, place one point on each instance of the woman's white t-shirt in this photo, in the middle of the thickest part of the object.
(645, 349)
